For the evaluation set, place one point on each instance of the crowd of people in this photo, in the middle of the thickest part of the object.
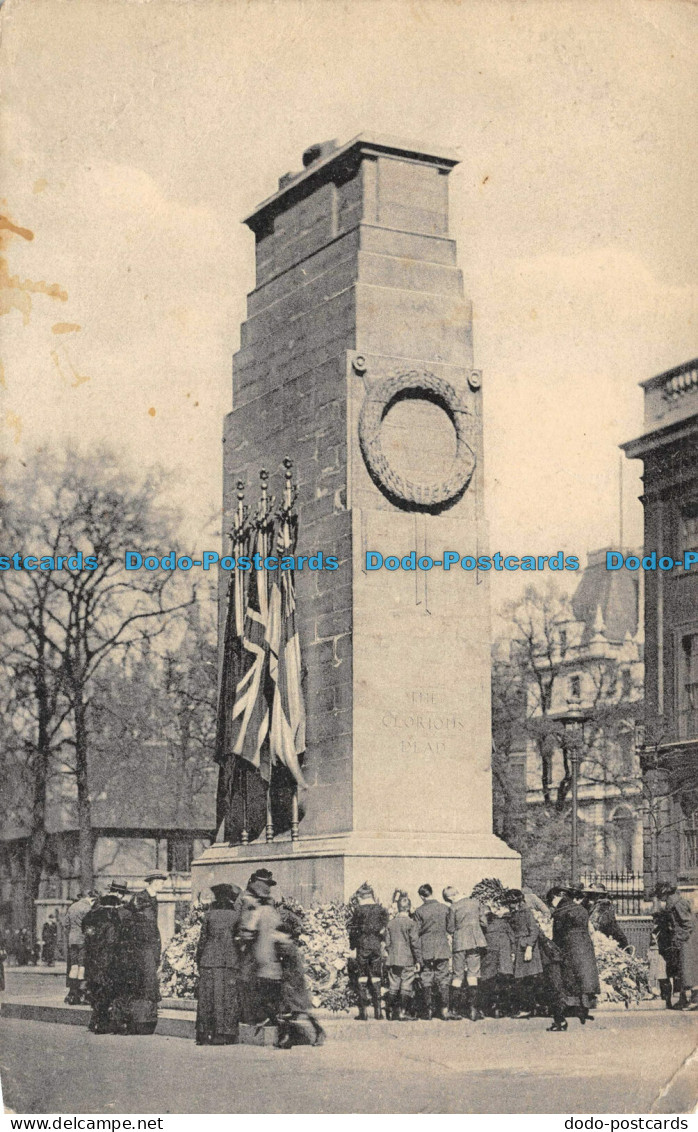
(114, 950)
(461, 957)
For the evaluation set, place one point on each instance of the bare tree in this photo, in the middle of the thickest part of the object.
(67, 619)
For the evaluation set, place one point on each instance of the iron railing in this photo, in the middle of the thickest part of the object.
(626, 890)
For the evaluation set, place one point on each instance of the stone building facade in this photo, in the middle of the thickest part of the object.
(669, 749)
(590, 660)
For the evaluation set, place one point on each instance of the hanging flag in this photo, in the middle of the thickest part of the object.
(250, 715)
(287, 730)
(231, 664)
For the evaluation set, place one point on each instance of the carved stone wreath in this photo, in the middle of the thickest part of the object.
(379, 399)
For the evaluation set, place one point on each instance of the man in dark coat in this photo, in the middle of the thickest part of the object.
(366, 928)
(49, 939)
(431, 918)
(102, 934)
(148, 950)
(465, 922)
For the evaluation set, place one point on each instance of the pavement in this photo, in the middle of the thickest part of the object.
(641, 1060)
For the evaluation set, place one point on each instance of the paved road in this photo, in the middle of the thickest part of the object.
(634, 1062)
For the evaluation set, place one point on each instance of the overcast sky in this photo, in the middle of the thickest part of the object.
(136, 135)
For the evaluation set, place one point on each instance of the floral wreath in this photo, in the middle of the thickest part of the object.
(378, 400)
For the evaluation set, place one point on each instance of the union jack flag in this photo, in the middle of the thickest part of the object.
(251, 710)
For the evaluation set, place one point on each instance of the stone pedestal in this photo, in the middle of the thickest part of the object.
(356, 361)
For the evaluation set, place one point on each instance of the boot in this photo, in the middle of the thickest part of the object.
(362, 1015)
(683, 1003)
(404, 1009)
(455, 998)
(391, 1007)
(665, 992)
(377, 1004)
(474, 1012)
(441, 1009)
(427, 1011)
(558, 1027)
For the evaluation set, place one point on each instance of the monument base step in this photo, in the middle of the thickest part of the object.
(320, 869)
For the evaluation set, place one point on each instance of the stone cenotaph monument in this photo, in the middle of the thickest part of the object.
(356, 361)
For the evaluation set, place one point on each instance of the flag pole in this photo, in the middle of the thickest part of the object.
(289, 497)
(265, 507)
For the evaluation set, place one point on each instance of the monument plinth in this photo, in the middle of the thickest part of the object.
(356, 361)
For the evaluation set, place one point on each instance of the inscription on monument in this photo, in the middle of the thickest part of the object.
(424, 724)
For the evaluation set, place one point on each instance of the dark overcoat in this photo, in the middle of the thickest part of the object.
(498, 959)
(145, 908)
(366, 927)
(571, 934)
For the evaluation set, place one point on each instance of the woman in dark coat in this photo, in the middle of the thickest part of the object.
(497, 967)
(217, 1012)
(580, 974)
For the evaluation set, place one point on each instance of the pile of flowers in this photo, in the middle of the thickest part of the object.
(623, 976)
(179, 975)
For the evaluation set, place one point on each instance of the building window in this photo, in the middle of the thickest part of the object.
(623, 838)
(626, 683)
(690, 842)
(563, 642)
(179, 855)
(688, 687)
(688, 526)
(575, 687)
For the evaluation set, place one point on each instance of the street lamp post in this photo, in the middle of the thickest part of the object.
(574, 720)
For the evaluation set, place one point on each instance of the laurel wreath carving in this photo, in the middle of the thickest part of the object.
(377, 402)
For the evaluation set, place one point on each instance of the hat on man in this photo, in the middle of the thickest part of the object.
(119, 889)
(259, 888)
(225, 892)
(514, 896)
(596, 889)
(156, 876)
